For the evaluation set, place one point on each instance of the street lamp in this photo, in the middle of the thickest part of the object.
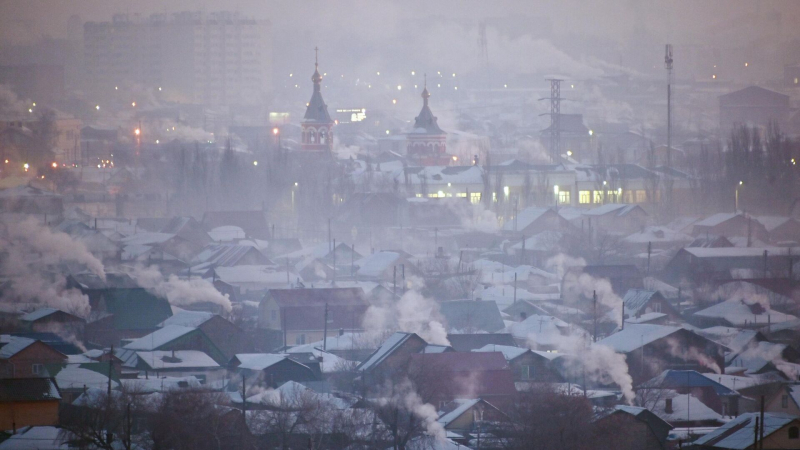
(736, 204)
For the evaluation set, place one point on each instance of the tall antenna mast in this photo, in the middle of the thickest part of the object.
(483, 42)
(555, 117)
(668, 65)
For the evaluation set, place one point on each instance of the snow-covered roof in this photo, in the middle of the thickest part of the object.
(38, 314)
(178, 359)
(635, 336)
(685, 407)
(546, 241)
(75, 377)
(544, 331)
(733, 252)
(462, 405)
(508, 351)
(36, 438)
(191, 319)
(736, 312)
(618, 209)
(258, 361)
(159, 337)
(374, 265)
(329, 363)
(226, 233)
(716, 219)
(252, 274)
(645, 318)
(525, 217)
(15, 345)
(388, 346)
(738, 433)
(155, 384)
(658, 234)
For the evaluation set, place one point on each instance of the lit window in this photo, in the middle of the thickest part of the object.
(584, 197)
(641, 196)
(563, 197)
(796, 80)
(598, 197)
(462, 195)
(475, 197)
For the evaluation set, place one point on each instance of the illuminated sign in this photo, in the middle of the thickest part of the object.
(351, 115)
(279, 117)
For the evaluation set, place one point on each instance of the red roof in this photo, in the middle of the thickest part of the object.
(472, 374)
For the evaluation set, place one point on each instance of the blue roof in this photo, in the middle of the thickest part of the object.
(680, 379)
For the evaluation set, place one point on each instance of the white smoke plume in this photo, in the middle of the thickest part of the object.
(411, 313)
(474, 217)
(560, 263)
(31, 249)
(585, 286)
(180, 292)
(404, 395)
(691, 354)
(599, 363)
(53, 246)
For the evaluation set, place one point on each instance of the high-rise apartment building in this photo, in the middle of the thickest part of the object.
(218, 58)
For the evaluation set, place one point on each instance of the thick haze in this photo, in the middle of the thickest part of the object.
(423, 33)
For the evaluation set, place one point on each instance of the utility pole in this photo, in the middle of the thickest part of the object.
(594, 302)
(649, 251)
(755, 437)
(334, 260)
(325, 332)
(765, 264)
(668, 65)
(761, 432)
(394, 282)
(515, 287)
(555, 117)
(329, 234)
(403, 277)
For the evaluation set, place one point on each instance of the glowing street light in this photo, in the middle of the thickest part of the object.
(378, 73)
(399, 88)
(591, 132)
(412, 73)
(97, 107)
(605, 182)
(133, 104)
(159, 88)
(255, 163)
(26, 166)
(137, 132)
(54, 165)
(275, 131)
(394, 101)
(569, 152)
(455, 158)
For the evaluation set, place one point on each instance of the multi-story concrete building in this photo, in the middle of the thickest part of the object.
(218, 58)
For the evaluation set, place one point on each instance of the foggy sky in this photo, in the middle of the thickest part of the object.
(360, 29)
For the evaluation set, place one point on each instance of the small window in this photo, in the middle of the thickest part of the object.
(584, 197)
(300, 339)
(656, 307)
(37, 369)
(794, 433)
(785, 401)
(563, 197)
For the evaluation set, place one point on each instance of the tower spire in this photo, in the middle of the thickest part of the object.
(425, 94)
(316, 56)
(316, 78)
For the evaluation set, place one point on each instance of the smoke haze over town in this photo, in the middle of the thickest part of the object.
(400, 225)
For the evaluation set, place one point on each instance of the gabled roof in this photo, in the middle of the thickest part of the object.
(634, 336)
(617, 209)
(33, 316)
(386, 349)
(681, 379)
(716, 219)
(15, 345)
(469, 342)
(160, 337)
(192, 319)
(317, 110)
(738, 433)
(257, 361)
(636, 299)
(509, 352)
(526, 217)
